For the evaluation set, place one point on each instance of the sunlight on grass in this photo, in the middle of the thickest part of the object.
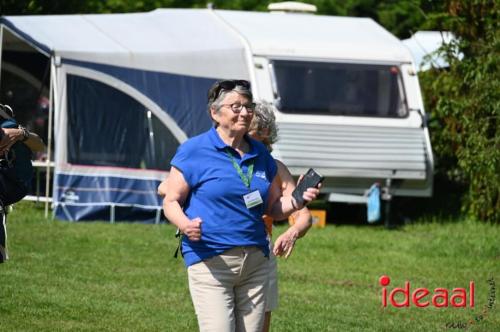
(122, 277)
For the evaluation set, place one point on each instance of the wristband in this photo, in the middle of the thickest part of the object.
(26, 133)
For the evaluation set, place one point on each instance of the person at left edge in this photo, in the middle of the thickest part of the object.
(16, 147)
(220, 184)
(16, 171)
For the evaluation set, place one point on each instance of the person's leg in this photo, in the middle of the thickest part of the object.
(211, 284)
(267, 321)
(3, 234)
(250, 291)
(5, 187)
(4, 191)
(11, 190)
(272, 290)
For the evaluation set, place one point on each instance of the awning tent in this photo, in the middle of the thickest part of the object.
(127, 89)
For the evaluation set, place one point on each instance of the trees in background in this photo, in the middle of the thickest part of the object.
(464, 101)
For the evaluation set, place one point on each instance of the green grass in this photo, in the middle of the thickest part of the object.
(121, 277)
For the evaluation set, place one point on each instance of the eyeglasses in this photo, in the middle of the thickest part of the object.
(227, 85)
(237, 107)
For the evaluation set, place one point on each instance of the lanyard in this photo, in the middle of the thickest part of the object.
(246, 179)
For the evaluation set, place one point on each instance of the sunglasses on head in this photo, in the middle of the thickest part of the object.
(227, 85)
(6, 111)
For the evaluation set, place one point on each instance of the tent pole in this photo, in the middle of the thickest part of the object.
(157, 218)
(49, 138)
(151, 135)
(112, 213)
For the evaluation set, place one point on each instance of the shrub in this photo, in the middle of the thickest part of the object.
(464, 102)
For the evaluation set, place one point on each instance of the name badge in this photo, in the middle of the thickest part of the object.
(252, 199)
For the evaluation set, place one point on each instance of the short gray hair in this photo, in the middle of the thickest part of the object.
(218, 101)
(264, 118)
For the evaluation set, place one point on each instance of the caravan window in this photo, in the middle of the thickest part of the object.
(109, 128)
(339, 89)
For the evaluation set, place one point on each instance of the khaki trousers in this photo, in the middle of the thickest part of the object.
(228, 290)
(272, 287)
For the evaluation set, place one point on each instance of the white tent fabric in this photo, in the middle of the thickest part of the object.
(343, 38)
(423, 46)
(189, 42)
(162, 40)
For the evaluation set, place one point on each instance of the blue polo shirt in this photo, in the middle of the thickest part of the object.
(216, 195)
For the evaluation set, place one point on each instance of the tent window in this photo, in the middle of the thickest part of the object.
(106, 127)
(22, 97)
(339, 89)
(24, 86)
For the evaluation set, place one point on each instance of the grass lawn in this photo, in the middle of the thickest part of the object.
(121, 277)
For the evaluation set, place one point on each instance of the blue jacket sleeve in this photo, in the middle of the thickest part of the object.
(10, 123)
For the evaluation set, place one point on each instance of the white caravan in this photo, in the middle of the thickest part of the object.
(348, 99)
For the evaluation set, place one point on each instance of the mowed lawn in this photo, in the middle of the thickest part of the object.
(97, 276)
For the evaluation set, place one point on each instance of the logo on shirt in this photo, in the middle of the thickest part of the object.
(261, 174)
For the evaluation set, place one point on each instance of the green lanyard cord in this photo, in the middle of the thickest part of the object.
(246, 179)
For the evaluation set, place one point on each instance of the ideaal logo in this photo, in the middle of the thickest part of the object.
(440, 297)
(484, 313)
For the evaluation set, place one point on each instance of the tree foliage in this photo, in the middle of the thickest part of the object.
(465, 104)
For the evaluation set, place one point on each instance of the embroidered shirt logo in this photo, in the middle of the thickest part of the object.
(261, 174)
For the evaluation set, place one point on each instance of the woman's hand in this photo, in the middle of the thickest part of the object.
(308, 196)
(281, 206)
(192, 229)
(285, 243)
(11, 136)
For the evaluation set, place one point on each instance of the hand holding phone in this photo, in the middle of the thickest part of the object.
(310, 180)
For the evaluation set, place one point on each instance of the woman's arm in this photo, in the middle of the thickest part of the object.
(162, 188)
(9, 137)
(303, 216)
(13, 135)
(176, 190)
(285, 243)
(35, 143)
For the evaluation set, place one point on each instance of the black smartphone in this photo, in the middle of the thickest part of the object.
(310, 179)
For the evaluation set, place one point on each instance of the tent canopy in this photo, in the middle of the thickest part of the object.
(423, 46)
(166, 39)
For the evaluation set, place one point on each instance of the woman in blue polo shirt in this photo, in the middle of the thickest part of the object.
(220, 184)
